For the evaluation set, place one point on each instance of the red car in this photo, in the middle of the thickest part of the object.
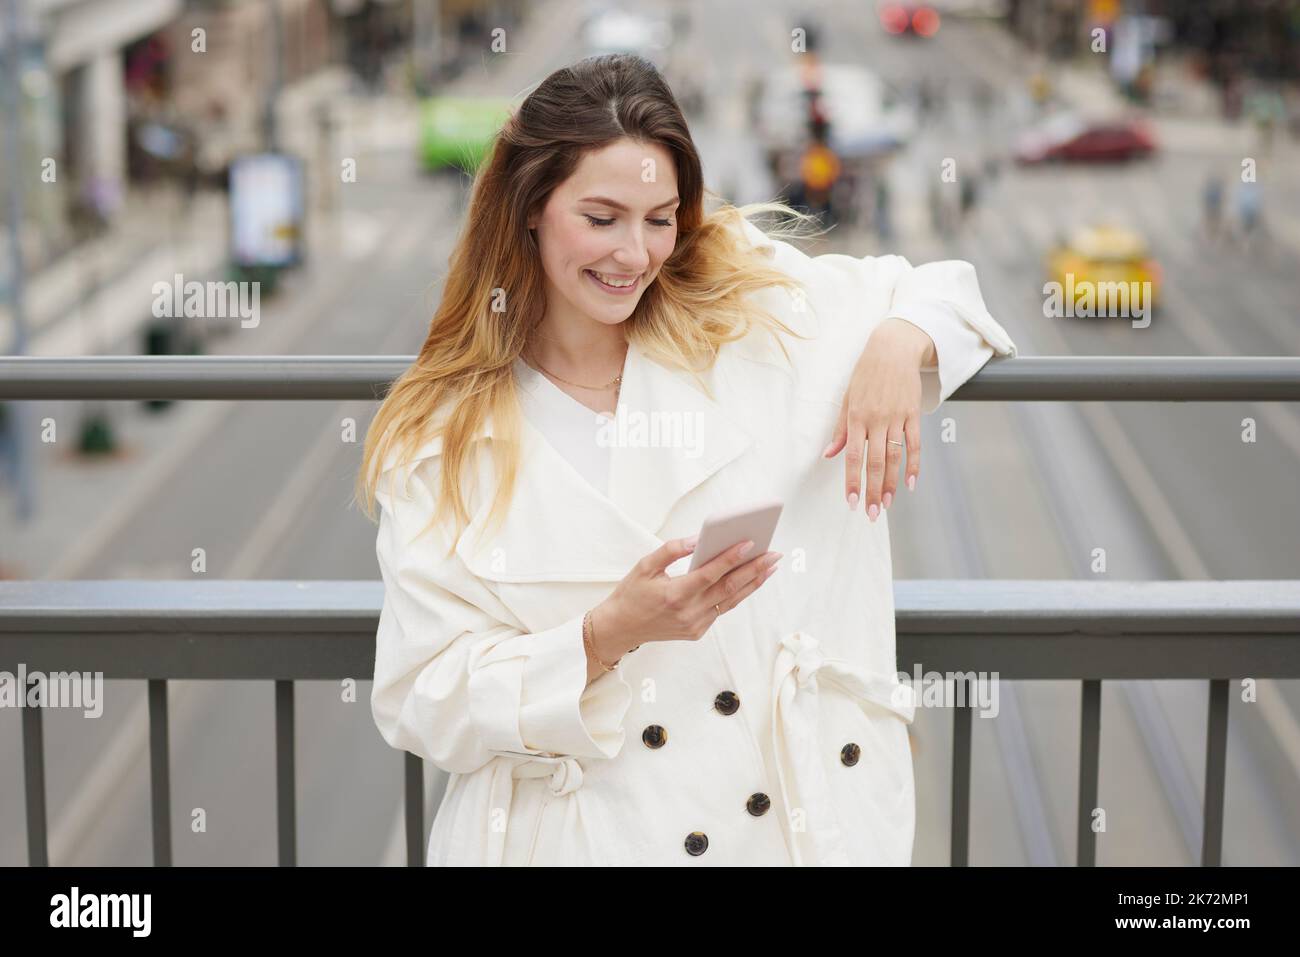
(908, 19)
(1070, 138)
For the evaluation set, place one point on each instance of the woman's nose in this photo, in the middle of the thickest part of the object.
(632, 254)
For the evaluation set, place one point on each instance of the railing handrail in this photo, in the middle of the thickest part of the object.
(325, 630)
(280, 377)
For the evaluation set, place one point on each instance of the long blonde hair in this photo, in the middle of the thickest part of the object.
(695, 305)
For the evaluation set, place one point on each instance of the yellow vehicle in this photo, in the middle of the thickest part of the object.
(1104, 271)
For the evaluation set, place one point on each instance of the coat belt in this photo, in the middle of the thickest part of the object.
(564, 771)
(800, 667)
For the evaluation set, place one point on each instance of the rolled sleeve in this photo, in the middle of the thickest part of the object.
(961, 351)
(529, 694)
(454, 684)
(858, 293)
(943, 299)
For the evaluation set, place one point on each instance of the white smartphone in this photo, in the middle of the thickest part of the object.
(721, 531)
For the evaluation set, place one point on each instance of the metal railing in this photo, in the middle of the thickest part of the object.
(1025, 378)
(286, 631)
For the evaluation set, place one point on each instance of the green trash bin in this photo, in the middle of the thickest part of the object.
(96, 436)
(160, 340)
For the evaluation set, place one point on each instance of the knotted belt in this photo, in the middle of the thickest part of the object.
(800, 666)
(564, 771)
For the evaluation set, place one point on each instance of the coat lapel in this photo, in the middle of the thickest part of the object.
(667, 439)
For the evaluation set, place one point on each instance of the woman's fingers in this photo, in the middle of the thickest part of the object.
(740, 583)
(667, 553)
(714, 569)
(876, 446)
(837, 440)
(746, 591)
(913, 430)
(856, 438)
(884, 440)
(894, 446)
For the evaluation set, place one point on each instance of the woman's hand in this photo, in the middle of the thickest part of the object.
(883, 402)
(649, 605)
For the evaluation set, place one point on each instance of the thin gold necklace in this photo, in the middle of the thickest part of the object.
(615, 384)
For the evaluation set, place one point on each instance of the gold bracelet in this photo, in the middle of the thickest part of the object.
(589, 639)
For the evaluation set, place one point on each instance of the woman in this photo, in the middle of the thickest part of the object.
(592, 704)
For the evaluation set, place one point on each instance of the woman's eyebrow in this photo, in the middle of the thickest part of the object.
(619, 206)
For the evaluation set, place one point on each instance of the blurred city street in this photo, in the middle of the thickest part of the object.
(1029, 490)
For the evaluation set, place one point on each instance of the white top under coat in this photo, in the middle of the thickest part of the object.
(569, 426)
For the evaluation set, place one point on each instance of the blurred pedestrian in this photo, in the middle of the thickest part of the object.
(940, 103)
(982, 96)
(1212, 206)
(1247, 212)
(8, 445)
(881, 215)
(1268, 112)
(819, 171)
(924, 97)
(1040, 90)
(1233, 97)
(945, 207)
(969, 196)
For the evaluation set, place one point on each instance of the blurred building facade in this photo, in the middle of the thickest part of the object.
(120, 95)
(1258, 38)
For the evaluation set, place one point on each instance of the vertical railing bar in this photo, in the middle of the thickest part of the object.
(1216, 766)
(961, 768)
(38, 853)
(1089, 763)
(415, 856)
(160, 773)
(286, 817)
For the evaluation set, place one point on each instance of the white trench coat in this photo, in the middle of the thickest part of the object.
(780, 736)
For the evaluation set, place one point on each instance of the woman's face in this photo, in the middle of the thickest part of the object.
(616, 216)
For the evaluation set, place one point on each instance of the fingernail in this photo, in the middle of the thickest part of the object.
(873, 510)
(827, 451)
(744, 549)
(889, 497)
(853, 502)
(692, 542)
(911, 483)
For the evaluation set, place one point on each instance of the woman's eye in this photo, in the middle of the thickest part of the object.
(607, 222)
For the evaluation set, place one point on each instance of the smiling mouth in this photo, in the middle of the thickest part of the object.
(613, 282)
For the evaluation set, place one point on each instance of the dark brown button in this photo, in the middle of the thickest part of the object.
(654, 736)
(850, 753)
(758, 804)
(697, 842)
(727, 702)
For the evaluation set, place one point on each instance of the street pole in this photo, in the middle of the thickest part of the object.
(13, 123)
(425, 43)
(277, 70)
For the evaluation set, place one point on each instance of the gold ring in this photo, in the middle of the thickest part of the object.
(894, 442)
(718, 610)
